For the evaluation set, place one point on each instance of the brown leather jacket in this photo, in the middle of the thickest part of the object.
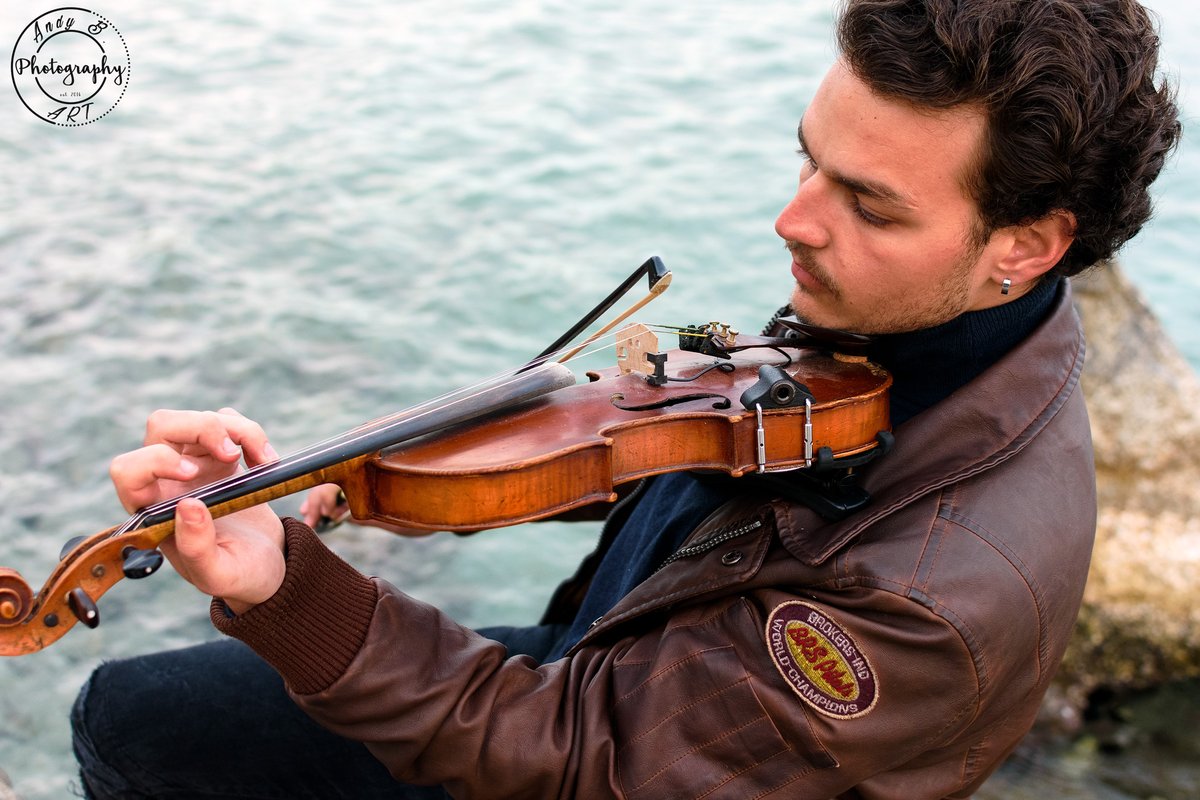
(901, 653)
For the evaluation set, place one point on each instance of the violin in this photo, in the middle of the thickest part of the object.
(531, 444)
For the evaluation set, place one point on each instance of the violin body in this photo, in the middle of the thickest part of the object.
(573, 447)
(525, 445)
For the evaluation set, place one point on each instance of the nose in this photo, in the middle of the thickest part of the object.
(801, 219)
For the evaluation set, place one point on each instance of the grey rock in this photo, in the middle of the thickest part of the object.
(1139, 622)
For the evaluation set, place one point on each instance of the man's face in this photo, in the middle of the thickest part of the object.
(881, 227)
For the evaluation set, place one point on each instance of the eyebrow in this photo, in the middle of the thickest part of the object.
(867, 188)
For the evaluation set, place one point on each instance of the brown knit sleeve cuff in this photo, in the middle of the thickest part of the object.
(313, 627)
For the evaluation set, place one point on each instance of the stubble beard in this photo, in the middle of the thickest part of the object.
(902, 314)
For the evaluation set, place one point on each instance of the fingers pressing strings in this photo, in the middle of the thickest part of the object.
(223, 434)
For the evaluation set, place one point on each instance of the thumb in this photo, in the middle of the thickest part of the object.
(195, 538)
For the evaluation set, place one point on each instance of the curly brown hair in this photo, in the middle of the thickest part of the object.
(1076, 120)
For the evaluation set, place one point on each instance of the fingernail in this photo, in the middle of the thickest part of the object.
(188, 467)
(229, 447)
(190, 512)
(270, 451)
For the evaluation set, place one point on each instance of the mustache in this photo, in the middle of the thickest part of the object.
(803, 256)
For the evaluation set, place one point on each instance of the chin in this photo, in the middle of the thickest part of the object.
(808, 310)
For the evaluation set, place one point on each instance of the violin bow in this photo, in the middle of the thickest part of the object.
(659, 278)
(88, 566)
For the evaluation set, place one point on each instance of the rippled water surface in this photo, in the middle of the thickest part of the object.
(321, 212)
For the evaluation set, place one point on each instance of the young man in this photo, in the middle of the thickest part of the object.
(961, 158)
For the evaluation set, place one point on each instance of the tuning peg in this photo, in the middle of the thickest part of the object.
(83, 607)
(140, 563)
(69, 546)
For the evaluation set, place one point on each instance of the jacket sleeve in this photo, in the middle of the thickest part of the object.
(695, 706)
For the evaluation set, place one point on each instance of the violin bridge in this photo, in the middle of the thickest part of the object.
(635, 343)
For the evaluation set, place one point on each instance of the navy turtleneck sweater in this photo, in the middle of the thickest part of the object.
(927, 366)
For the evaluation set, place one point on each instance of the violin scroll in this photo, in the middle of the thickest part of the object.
(16, 597)
(30, 622)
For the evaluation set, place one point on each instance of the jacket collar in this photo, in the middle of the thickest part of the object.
(984, 423)
(981, 425)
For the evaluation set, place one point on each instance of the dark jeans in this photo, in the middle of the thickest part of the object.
(213, 721)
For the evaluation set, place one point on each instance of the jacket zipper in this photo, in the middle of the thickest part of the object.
(683, 552)
(619, 506)
(710, 543)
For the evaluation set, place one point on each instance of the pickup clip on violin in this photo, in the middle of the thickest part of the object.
(532, 443)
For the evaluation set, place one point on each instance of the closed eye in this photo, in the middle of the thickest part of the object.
(854, 189)
(866, 216)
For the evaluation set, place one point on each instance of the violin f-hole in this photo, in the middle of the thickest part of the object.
(674, 400)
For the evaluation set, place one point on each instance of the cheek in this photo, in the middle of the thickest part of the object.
(914, 261)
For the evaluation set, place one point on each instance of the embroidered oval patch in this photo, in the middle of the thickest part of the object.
(820, 661)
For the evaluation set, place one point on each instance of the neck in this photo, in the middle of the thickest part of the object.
(928, 365)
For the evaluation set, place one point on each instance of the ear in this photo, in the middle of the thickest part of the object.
(1035, 248)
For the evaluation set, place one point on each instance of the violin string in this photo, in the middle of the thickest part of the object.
(324, 446)
(346, 438)
(321, 448)
(357, 434)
